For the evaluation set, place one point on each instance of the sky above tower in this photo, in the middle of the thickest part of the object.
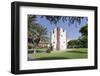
(71, 29)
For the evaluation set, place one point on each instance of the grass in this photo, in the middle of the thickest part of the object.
(78, 53)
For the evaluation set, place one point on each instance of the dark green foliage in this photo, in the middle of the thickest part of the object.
(84, 30)
(74, 44)
(84, 38)
(82, 41)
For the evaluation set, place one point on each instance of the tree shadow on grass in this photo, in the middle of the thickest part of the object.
(48, 58)
(77, 52)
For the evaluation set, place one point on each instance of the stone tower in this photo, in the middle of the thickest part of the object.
(58, 39)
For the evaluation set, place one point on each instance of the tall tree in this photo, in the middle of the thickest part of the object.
(40, 33)
(36, 32)
(84, 37)
(84, 30)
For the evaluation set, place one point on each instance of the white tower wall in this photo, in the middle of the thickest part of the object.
(62, 39)
(53, 38)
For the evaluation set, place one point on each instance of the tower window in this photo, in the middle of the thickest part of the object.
(53, 31)
(53, 42)
(63, 30)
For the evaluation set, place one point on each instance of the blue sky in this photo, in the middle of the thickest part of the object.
(72, 29)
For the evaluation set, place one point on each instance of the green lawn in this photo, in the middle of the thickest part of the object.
(78, 53)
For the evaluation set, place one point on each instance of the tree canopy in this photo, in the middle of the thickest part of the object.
(84, 30)
(82, 41)
(36, 32)
(56, 19)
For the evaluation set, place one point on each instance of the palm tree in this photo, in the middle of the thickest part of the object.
(36, 32)
(40, 33)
